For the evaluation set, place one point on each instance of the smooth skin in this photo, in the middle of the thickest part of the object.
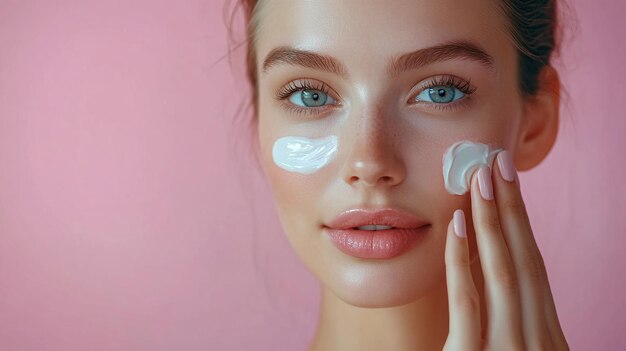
(519, 303)
(389, 155)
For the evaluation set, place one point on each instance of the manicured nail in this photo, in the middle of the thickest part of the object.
(484, 183)
(459, 224)
(505, 164)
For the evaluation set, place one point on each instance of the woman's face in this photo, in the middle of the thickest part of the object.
(392, 130)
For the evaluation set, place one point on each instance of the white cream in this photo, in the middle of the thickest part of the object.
(303, 155)
(461, 160)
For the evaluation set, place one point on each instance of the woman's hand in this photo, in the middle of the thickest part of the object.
(520, 309)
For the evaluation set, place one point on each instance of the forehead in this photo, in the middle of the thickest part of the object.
(365, 33)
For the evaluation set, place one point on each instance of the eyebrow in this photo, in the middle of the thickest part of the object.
(460, 49)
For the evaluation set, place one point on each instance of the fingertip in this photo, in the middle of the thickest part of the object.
(505, 165)
(474, 186)
(459, 224)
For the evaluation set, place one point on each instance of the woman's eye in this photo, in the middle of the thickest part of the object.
(310, 98)
(441, 94)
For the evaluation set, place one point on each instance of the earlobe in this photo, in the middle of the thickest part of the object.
(540, 123)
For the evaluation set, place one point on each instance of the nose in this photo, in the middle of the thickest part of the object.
(374, 158)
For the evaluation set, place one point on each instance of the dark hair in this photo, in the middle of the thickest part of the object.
(536, 31)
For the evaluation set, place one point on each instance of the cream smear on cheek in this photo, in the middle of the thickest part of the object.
(303, 155)
(461, 160)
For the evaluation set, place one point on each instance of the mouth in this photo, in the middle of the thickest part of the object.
(375, 234)
(376, 219)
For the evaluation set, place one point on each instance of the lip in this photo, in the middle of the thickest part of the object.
(357, 217)
(379, 244)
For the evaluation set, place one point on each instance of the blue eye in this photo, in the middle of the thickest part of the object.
(441, 94)
(310, 98)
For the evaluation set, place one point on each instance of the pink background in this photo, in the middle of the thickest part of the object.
(132, 219)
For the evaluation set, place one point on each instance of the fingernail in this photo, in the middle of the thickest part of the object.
(459, 224)
(484, 183)
(505, 164)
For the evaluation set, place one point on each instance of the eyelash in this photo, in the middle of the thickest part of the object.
(463, 85)
(306, 84)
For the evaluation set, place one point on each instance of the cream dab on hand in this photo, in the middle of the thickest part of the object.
(461, 160)
(304, 155)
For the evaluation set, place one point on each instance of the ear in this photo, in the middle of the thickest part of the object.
(540, 122)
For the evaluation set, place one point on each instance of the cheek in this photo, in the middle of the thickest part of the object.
(425, 170)
(286, 186)
(295, 161)
(293, 192)
(297, 198)
(426, 182)
(295, 167)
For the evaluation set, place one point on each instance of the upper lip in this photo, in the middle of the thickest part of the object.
(357, 217)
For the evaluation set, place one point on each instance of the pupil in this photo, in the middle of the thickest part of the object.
(441, 92)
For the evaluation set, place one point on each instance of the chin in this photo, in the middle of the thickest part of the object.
(376, 284)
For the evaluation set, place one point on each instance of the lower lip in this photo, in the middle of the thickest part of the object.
(381, 244)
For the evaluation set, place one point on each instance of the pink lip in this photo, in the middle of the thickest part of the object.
(381, 244)
(388, 216)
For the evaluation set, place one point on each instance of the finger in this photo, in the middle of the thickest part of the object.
(558, 337)
(501, 287)
(463, 298)
(519, 238)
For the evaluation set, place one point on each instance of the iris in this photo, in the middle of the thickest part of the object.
(441, 94)
(313, 98)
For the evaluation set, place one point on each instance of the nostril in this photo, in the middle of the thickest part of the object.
(386, 179)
